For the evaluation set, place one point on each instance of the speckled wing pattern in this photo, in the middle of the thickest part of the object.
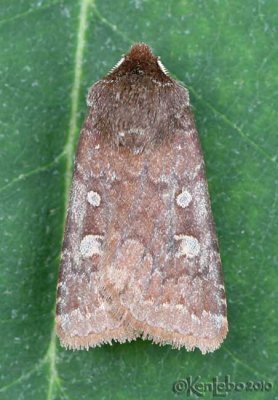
(140, 256)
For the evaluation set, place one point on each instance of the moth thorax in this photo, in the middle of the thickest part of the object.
(134, 139)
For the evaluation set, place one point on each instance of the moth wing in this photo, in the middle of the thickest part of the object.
(83, 316)
(164, 268)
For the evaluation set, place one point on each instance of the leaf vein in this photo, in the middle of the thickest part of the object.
(29, 12)
(235, 127)
(242, 363)
(51, 354)
(112, 26)
(35, 171)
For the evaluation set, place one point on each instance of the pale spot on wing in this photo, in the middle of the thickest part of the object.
(93, 198)
(189, 246)
(184, 198)
(195, 319)
(90, 245)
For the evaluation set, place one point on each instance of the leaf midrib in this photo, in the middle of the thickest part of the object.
(51, 354)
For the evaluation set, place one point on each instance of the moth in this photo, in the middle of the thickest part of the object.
(140, 255)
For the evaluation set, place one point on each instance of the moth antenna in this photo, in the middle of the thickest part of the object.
(162, 67)
(117, 65)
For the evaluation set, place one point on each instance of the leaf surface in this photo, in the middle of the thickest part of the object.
(51, 52)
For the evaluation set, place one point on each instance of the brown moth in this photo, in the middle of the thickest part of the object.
(140, 255)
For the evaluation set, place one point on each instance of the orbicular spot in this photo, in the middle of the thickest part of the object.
(189, 246)
(90, 245)
(184, 198)
(93, 198)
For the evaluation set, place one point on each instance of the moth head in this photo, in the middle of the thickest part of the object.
(139, 61)
(137, 104)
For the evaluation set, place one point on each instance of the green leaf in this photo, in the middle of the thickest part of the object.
(51, 52)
